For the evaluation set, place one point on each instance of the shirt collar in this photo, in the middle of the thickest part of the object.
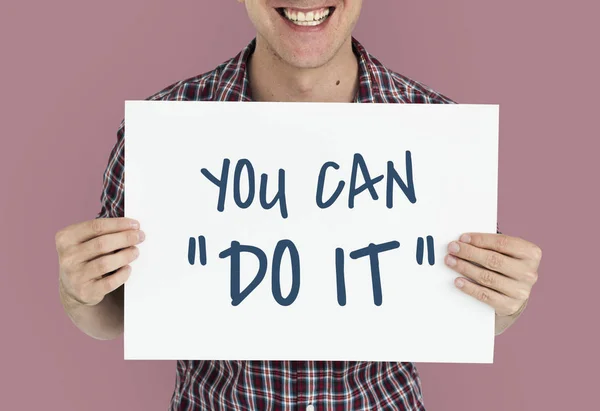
(234, 84)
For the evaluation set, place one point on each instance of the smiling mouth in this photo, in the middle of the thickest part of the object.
(311, 18)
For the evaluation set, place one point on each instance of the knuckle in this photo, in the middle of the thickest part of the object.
(59, 238)
(537, 253)
(523, 294)
(117, 279)
(69, 257)
(110, 283)
(531, 277)
(494, 261)
(134, 252)
(502, 242)
(482, 295)
(479, 241)
(487, 278)
(101, 265)
(100, 245)
(67, 262)
(96, 226)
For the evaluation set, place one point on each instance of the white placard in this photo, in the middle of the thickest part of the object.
(179, 300)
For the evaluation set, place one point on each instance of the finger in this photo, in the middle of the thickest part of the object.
(113, 281)
(489, 279)
(488, 259)
(502, 304)
(501, 243)
(84, 231)
(108, 243)
(107, 263)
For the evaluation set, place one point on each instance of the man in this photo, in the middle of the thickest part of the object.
(303, 51)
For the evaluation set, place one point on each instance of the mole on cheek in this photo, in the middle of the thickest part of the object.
(337, 83)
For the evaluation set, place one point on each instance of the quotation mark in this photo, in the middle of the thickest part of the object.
(430, 250)
(201, 250)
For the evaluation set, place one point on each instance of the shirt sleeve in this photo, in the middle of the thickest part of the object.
(113, 189)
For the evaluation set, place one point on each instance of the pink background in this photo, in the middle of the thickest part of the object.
(68, 66)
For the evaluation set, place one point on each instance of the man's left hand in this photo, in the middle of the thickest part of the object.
(500, 270)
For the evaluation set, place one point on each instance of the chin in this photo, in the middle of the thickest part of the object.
(309, 59)
(311, 55)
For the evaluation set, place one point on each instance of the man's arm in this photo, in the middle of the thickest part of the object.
(94, 258)
(498, 270)
(88, 251)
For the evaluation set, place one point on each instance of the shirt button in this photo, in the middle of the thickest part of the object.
(310, 407)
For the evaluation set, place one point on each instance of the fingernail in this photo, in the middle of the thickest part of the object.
(465, 238)
(451, 261)
(135, 224)
(460, 282)
(142, 236)
(453, 247)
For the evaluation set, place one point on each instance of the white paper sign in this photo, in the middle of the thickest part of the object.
(238, 266)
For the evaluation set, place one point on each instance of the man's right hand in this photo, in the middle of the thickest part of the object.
(94, 257)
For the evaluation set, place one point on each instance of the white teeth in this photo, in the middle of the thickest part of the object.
(312, 18)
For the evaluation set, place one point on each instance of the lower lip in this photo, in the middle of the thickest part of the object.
(305, 29)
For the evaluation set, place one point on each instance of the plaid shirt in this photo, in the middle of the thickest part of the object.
(283, 385)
